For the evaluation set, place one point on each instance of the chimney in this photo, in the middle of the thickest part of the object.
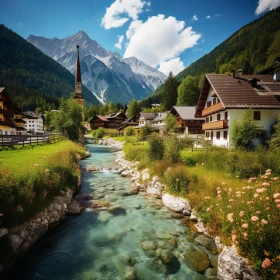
(233, 73)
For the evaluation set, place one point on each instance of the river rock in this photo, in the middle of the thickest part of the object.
(206, 242)
(129, 274)
(145, 175)
(177, 204)
(20, 209)
(125, 173)
(155, 190)
(214, 262)
(165, 255)
(177, 216)
(162, 234)
(148, 245)
(210, 274)
(193, 218)
(83, 197)
(196, 227)
(117, 210)
(133, 191)
(232, 266)
(16, 241)
(196, 259)
(3, 231)
(74, 208)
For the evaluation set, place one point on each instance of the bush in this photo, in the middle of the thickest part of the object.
(135, 152)
(98, 133)
(129, 131)
(159, 167)
(144, 132)
(156, 147)
(177, 179)
(172, 147)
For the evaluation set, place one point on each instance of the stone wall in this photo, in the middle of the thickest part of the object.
(231, 266)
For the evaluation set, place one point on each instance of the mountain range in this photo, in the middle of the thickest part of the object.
(105, 73)
(33, 79)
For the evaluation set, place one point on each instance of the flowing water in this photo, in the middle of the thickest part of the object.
(100, 245)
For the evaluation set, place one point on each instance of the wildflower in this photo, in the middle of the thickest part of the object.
(207, 197)
(245, 234)
(218, 192)
(265, 222)
(258, 212)
(223, 183)
(268, 171)
(267, 208)
(266, 263)
(260, 190)
(231, 200)
(256, 195)
(275, 178)
(208, 209)
(229, 217)
(278, 205)
(254, 218)
(233, 238)
(245, 225)
(35, 165)
(276, 195)
(277, 200)
(47, 170)
(238, 194)
(230, 189)
(267, 198)
(265, 184)
(241, 214)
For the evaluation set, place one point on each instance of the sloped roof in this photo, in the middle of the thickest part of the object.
(148, 116)
(239, 93)
(161, 116)
(185, 112)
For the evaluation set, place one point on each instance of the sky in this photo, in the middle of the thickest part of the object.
(166, 34)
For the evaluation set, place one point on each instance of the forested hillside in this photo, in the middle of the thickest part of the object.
(27, 73)
(252, 48)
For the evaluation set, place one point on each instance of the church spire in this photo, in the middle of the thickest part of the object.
(78, 82)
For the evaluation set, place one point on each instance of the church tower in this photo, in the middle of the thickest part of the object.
(78, 82)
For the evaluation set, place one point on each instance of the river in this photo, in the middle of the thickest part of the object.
(100, 245)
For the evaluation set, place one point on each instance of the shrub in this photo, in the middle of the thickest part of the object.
(144, 132)
(159, 167)
(98, 133)
(135, 152)
(156, 147)
(176, 179)
(129, 131)
(172, 147)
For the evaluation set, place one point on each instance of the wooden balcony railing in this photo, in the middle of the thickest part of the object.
(212, 109)
(215, 125)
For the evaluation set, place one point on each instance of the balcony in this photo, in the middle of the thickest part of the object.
(212, 109)
(215, 125)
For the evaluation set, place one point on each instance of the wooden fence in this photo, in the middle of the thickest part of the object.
(28, 140)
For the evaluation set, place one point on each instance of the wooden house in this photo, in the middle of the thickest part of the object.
(225, 98)
(11, 122)
(186, 120)
(113, 120)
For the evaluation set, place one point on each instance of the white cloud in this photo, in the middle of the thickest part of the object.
(265, 5)
(195, 17)
(119, 44)
(208, 17)
(174, 65)
(130, 8)
(160, 39)
(132, 28)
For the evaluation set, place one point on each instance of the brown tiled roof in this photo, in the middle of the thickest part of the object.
(238, 92)
(185, 112)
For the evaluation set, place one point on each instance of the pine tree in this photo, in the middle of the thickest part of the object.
(169, 97)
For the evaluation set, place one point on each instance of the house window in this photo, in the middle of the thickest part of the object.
(207, 134)
(226, 115)
(207, 119)
(218, 117)
(218, 135)
(225, 135)
(208, 104)
(210, 118)
(257, 115)
(214, 100)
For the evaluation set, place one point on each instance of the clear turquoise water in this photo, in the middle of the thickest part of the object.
(98, 245)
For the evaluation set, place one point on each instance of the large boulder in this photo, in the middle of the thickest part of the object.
(177, 204)
(196, 259)
(16, 241)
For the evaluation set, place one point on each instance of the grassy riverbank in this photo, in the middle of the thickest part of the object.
(236, 193)
(30, 178)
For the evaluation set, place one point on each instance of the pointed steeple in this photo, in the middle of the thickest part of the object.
(78, 81)
(78, 70)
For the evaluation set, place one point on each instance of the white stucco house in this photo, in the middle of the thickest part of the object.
(34, 122)
(225, 98)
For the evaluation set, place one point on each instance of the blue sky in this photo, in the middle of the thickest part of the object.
(166, 34)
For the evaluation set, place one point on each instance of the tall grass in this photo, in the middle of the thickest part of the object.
(31, 178)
